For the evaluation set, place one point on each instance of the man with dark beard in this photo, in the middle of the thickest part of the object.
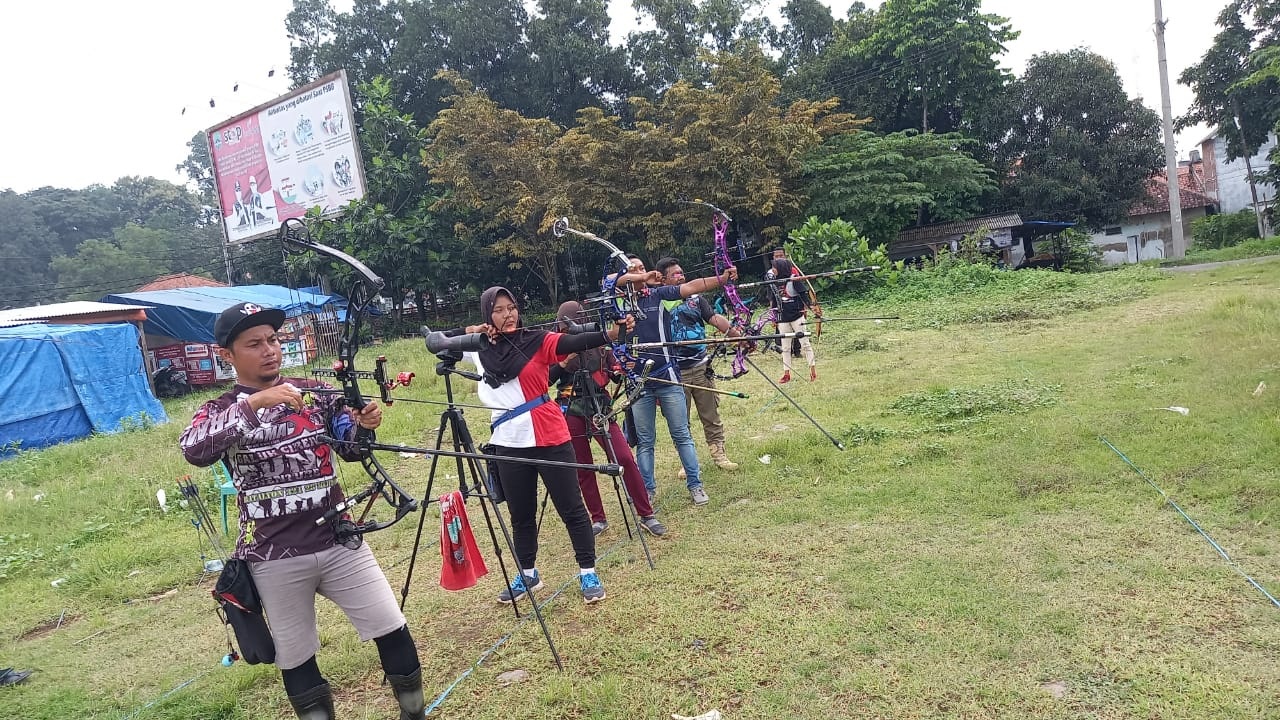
(278, 447)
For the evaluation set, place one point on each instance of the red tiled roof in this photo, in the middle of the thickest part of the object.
(1157, 200)
(179, 280)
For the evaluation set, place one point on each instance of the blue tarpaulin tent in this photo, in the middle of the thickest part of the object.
(188, 313)
(63, 382)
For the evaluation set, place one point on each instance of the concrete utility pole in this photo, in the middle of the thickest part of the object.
(1179, 244)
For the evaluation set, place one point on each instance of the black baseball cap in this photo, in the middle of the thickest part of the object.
(242, 316)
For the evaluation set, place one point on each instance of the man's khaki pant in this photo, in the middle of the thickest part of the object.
(708, 402)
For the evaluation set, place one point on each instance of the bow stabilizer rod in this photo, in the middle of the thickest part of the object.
(811, 276)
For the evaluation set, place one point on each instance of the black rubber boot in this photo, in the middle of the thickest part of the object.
(314, 704)
(408, 692)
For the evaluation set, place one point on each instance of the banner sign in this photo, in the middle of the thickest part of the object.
(279, 160)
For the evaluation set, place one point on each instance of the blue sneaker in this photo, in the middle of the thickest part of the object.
(520, 587)
(592, 590)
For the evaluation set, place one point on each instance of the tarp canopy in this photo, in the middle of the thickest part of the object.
(188, 313)
(63, 382)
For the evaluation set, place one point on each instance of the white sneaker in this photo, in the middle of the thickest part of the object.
(699, 495)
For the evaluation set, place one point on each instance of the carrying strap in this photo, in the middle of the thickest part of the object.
(519, 410)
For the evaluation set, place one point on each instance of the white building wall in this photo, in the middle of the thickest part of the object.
(1144, 237)
(1233, 178)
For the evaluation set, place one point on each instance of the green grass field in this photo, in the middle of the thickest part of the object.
(976, 552)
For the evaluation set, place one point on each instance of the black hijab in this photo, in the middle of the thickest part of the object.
(504, 359)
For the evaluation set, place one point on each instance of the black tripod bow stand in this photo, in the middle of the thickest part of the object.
(474, 481)
(598, 428)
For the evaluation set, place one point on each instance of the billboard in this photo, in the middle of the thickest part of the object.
(280, 159)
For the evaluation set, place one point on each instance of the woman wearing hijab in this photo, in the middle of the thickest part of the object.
(791, 302)
(515, 367)
(583, 380)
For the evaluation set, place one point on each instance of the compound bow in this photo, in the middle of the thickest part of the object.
(636, 369)
(741, 313)
(296, 236)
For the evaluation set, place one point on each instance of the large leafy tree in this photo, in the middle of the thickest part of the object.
(543, 61)
(879, 182)
(1222, 96)
(72, 243)
(1266, 60)
(572, 64)
(730, 143)
(26, 246)
(807, 29)
(930, 65)
(395, 229)
(121, 263)
(683, 31)
(198, 167)
(1079, 147)
(736, 145)
(495, 165)
(76, 215)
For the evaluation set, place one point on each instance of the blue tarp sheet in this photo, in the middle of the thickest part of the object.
(188, 313)
(63, 382)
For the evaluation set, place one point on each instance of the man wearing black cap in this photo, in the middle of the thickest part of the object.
(280, 453)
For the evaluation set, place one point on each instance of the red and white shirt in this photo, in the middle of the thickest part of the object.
(544, 425)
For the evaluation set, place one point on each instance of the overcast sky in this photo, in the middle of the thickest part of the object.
(96, 90)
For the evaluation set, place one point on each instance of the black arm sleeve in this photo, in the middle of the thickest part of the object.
(579, 342)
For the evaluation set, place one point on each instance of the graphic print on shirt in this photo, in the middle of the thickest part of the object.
(687, 324)
(293, 472)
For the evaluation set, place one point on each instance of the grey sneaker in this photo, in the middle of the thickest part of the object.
(699, 495)
(653, 525)
(592, 590)
(520, 587)
(599, 527)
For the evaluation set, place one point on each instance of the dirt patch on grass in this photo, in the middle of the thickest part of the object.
(48, 627)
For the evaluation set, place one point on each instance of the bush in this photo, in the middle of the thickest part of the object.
(1077, 251)
(1220, 231)
(818, 247)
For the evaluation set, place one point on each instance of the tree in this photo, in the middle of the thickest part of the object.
(1243, 112)
(729, 143)
(132, 257)
(494, 164)
(1079, 147)
(310, 25)
(733, 144)
(198, 168)
(836, 69)
(683, 30)
(924, 65)
(154, 203)
(572, 61)
(879, 182)
(76, 215)
(26, 245)
(394, 229)
(808, 29)
(548, 64)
